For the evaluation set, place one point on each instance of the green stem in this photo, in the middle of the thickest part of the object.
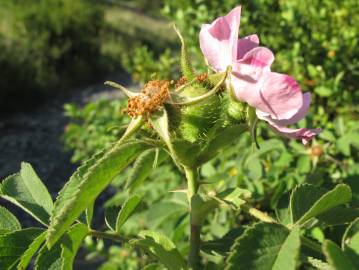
(192, 183)
(106, 235)
(195, 229)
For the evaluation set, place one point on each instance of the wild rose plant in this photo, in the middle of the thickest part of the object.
(191, 120)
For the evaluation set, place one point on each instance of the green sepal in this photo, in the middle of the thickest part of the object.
(186, 66)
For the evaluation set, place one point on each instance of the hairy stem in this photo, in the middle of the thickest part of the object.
(195, 233)
(106, 235)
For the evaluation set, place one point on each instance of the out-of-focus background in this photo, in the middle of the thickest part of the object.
(55, 111)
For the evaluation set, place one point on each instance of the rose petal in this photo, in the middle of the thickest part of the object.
(276, 94)
(303, 111)
(254, 63)
(218, 41)
(246, 44)
(299, 133)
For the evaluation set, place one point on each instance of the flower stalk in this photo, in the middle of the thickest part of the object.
(195, 229)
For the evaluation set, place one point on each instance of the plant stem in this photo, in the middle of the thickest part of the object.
(195, 229)
(106, 235)
(192, 183)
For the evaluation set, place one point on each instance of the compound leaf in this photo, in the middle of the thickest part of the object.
(265, 246)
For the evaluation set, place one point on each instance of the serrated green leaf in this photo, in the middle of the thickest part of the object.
(127, 210)
(30, 252)
(337, 259)
(14, 244)
(143, 167)
(265, 246)
(87, 183)
(62, 254)
(339, 215)
(26, 190)
(8, 222)
(308, 201)
(162, 248)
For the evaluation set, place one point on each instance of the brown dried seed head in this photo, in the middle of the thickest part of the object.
(152, 96)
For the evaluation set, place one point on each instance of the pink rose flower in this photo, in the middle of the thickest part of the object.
(277, 97)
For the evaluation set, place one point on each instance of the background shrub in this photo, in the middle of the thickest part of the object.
(46, 46)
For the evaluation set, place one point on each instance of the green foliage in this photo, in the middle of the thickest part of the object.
(87, 183)
(26, 190)
(143, 167)
(336, 257)
(61, 255)
(127, 210)
(30, 252)
(14, 244)
(93, 127)
(8, 222)
(310, 201)
(161, 247)
(47, 45)
(265, 246)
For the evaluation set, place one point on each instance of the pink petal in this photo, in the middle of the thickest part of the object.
(300, 133)
(253, 64)
(246, 44)
(275, 94)
(218, 41)
(303, 111)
